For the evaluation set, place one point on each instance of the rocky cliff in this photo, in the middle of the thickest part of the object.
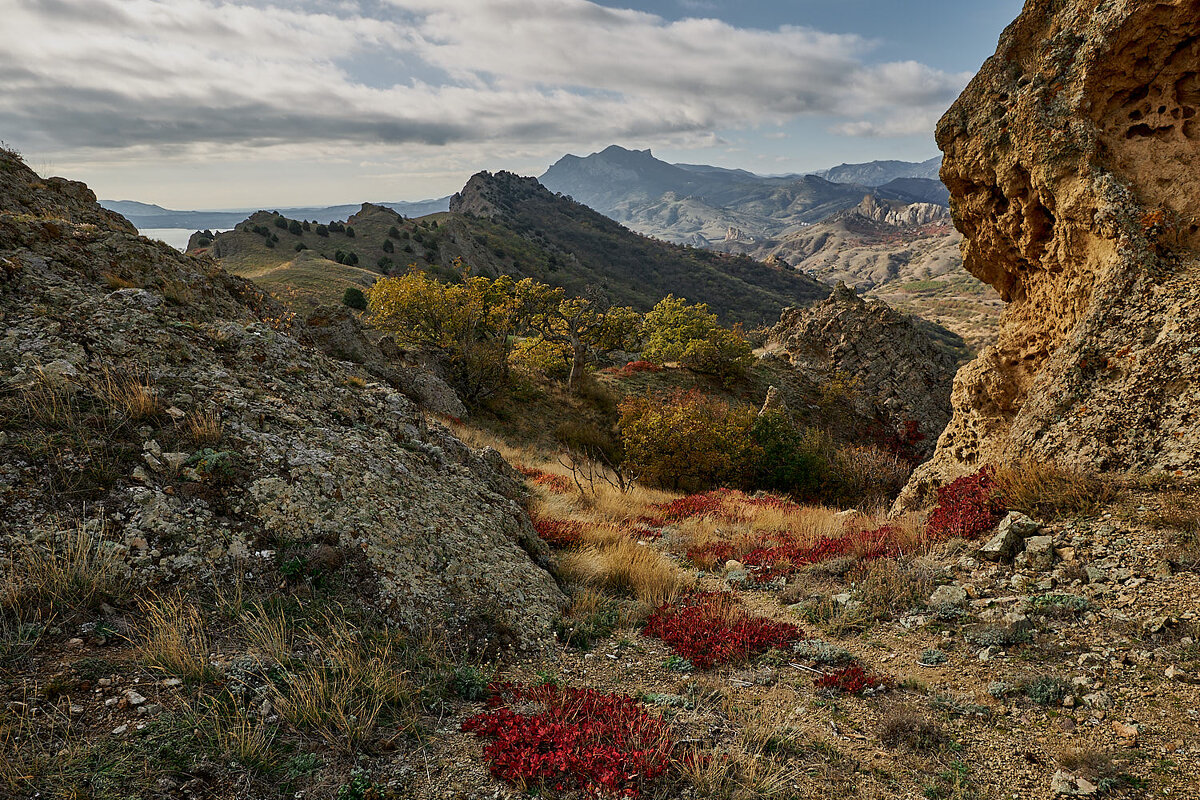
(188, 423)
(895, 372)
(1074, 171)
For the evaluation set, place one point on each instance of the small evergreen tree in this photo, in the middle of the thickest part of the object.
(295, 228)
(354, 298)
(388, 247)
(322, 230)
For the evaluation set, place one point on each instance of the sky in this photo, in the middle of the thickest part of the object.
(202, 104)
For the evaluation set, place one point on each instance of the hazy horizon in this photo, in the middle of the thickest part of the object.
(195, 104)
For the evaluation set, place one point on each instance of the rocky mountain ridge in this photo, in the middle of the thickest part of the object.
(895, 372)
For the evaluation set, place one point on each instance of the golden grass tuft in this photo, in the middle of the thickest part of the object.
(1047, 490)
(624, 567)
(76, 568)
(237, 736)
(171, 638)
(346, 692)
(204, 427)
(130, 394)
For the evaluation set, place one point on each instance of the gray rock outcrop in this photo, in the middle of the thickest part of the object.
(318, 458)
(897, 372)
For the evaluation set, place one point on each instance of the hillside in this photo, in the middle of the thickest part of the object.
(905, 255)
(699, 204)
(503, 224)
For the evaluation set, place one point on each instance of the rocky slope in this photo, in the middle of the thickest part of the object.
(186, 422)
(905, 254)
(1072, 163)
(894, 370)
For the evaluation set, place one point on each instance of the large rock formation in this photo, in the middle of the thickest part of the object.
(897, 373)
(111, 343)
(1074, 170)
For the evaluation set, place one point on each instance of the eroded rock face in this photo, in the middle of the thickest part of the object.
(1073, 161)
(898, 374)
(320, 460)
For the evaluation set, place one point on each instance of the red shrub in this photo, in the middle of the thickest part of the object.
(634, 367)
(709, 629)
(965, 508)
(572, 739)
(558, 532)
(694, 505)
(853, 680)
(786, 556)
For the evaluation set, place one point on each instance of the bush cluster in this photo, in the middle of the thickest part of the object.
(689, 441)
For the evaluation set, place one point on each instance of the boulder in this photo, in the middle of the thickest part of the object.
(1074, 176)
(1009, 538)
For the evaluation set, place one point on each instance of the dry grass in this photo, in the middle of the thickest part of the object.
(907, 728)
(171, 638)
(1087, 762)
(768, 758)
(270, 635)
(237, 736)
(345, 693)
(74, 569)
(129, 394)
(116, 281)
(1048, 491)
(204, 427)
(890, 586)
(343, 683)
(627, 568)
(48, 401)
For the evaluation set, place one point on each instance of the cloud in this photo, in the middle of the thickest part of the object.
(205, 76)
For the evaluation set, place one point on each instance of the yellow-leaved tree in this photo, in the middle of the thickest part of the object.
(470, 323)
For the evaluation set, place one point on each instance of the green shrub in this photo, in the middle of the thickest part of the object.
(354, 298)
(793, 460)
(1047, 690)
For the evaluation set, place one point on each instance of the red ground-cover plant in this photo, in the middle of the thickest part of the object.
(558, 532)
(565, 739)
(966, 508)
(784, 556)
(709, 628)
(853, 680)
(559, 484)
(633, 368)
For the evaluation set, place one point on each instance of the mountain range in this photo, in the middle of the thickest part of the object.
(700, 205)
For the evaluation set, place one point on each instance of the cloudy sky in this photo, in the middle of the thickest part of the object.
(211, 104)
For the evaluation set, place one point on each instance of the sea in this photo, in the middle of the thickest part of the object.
(176, 237)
